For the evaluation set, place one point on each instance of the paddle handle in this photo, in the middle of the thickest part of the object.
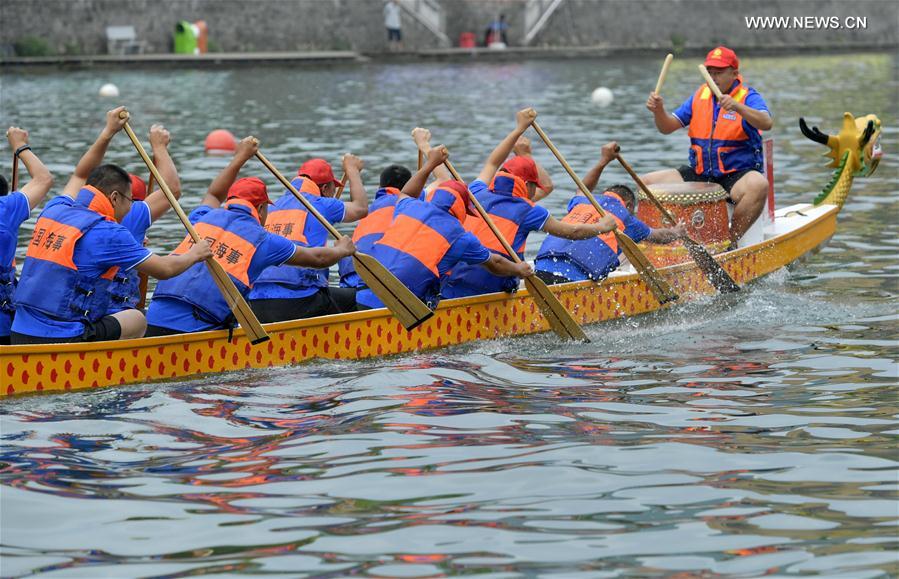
(309, 207)
(708, 79)
(154, 172)
(341, 187)
(577, 180)
(421, 159)
(15, 173)
(144, 279)
(663, 73)
(485, 216)
(630, 171)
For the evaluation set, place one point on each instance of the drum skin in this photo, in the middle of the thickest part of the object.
(701, 206)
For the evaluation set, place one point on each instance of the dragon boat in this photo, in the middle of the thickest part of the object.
(795, 231)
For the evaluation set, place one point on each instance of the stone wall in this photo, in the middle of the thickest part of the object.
(78, 26)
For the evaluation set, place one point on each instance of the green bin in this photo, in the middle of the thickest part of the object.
(185, 39)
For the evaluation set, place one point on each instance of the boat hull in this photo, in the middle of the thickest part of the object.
(358, 335)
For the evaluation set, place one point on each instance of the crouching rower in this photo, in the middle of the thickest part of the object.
(15, 208)
(231, 219)
(508, 199)
(426, 239)
(563, 260)
(77, 248)
(290, 293)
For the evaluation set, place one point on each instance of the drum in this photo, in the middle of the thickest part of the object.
(702, 207)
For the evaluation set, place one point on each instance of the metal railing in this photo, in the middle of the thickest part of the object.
(430, 14)
(536, 15)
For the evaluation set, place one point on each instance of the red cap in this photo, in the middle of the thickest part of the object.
(523, 167)
(319, 171)
(251, 189)
(138, 188)
(722, 57)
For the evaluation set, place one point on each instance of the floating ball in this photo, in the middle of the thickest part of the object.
(109, 90)
(220, 142)
(602, 96)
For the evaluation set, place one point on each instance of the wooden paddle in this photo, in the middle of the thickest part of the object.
(339, 191)
(555, 313)
(15, 173)
(408, 309)
(235, 300)
(421, 159)
(663, 73)
(143, 278)
(654, 280)
(711, 268)
(708, 79)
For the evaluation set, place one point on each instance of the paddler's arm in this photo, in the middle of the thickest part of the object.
(218, 189)
(579, 230)
(545, 185)
(156, 200)
(319, 257)
(523, 120)
(422, 138)
(664, 235)
(500, 266)
(666, 123)
(357, 207)
(606, 156)
(168, 266)
(41, 180)
(416, 184)
(94, 156)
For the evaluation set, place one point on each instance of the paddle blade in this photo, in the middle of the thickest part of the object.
(559, 318)
(239, 306)
(660, 288)
(405, 305)
(713, 271)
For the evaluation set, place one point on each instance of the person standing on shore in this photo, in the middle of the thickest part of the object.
(394, 26)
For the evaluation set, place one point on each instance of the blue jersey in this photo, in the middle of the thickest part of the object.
(14, 210)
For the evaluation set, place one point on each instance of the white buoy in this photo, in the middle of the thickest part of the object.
(602, 96)
(109, 90)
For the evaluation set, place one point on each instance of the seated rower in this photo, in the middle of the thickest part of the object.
(426, 239)
(509, 202)
(370, 229)
(78, 247)
(290, 293)
(146, 209)
(15, 208)
(563, 260)
(231, 218)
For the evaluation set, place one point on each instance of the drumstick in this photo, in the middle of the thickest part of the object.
(663, 73)
(708, 79)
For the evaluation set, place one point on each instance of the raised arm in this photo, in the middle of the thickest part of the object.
(159, 141)
(94, 155)
(579, 230)
(357, 207)
(422, 138)
(41, 179)
(436, 158)
(666, 123)
(218, 189)
(523, 120)
(606, 155)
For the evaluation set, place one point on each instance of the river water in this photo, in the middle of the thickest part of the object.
(742, 436)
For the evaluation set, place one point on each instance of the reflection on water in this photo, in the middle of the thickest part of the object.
(743, 435)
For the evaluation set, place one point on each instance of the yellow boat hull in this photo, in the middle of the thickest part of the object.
(62, 367)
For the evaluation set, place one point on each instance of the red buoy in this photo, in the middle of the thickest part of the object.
(220, 142)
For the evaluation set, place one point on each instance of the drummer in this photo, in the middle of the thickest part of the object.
(564, 260)
(725, 139)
